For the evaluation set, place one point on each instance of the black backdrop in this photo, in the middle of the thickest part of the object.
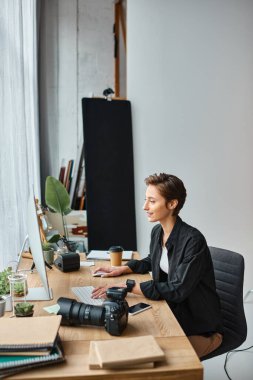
(108, 155)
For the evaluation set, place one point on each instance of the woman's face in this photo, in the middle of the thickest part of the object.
(156, 207)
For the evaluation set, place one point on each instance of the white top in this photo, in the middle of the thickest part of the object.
(164, 263)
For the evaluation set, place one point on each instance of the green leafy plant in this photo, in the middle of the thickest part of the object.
(4, 281)
(53, 239)
(23, 309)
(20, 289)
(46, 246)
(57, 199)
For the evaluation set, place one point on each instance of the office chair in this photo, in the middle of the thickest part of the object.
(229, 275)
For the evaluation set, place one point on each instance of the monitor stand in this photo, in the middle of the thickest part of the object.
(35, 294)
(39, 294)
(47, 265)
(21, 251)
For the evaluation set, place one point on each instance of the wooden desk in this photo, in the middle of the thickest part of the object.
(181, 360)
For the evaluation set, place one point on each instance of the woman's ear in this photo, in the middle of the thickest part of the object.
(171, 205)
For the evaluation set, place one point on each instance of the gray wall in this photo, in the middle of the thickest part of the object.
(190, 71)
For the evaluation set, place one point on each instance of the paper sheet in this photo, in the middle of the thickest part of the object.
(86, 263)
(53, 309)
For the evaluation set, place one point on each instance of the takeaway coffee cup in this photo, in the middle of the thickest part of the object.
(116, 255)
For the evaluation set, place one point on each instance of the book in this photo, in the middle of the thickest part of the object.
(68, 185)
(94, 361)
(28, 335)
(119, 353)
(79, 163)
(10, 365)
(68, 175)
(62, 171)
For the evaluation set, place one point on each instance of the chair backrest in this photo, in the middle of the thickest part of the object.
(229, 275)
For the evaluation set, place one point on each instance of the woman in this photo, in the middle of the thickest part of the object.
(181, 265)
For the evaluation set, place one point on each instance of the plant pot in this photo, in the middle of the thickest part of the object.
(20, 288)
(49, 256)
(8, 302)
(24, 315)
(2, 306)
(23, 309)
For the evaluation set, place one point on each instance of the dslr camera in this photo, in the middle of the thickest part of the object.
(112, 314)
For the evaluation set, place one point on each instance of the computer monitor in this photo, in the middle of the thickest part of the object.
(42, 293)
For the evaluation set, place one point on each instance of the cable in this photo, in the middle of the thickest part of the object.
(226, 359)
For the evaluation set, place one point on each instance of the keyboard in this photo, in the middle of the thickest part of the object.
(83, 293)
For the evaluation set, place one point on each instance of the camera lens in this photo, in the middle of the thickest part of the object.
(91, 315)
(77, 313)
(113, 314)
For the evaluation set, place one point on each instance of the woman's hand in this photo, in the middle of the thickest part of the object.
(100, 291)
(113, 271)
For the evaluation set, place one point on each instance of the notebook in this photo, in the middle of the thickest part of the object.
(10, 365)
(119, 353)
(104, 255)
(94, 361)
(28, 335)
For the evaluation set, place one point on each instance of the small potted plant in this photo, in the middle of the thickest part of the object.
(19, 290)
(4, 282)
(23, 309)
(2, 306)
(18, 284)
(58, 201)
(48, 252)
(5, 288)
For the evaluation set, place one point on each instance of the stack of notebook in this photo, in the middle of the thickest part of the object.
(136, 352)
(27, 343)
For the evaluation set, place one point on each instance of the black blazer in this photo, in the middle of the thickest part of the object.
(189, 287)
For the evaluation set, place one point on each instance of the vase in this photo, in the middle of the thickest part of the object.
(8, 302)
(2, 306)
(49, 256)
(18, 285)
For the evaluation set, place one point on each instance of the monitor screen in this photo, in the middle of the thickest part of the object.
(44, 292)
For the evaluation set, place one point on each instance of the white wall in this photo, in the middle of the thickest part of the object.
(189, 78)
(85, 64)
(68, 79)
(76, 60)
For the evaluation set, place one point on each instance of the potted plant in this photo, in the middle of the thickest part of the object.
(2, 306)
(18, 284)
(4, 282)
(20, 289)
(5, 288)
(58, 200)
(23, 309)
(48, 251)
